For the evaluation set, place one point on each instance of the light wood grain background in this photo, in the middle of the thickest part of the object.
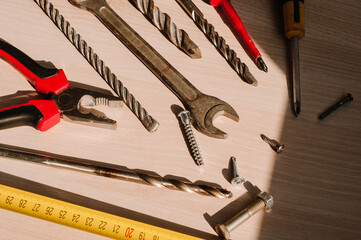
(315, 181)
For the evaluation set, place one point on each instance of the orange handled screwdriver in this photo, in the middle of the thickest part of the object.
(237, 24)
(294, 24)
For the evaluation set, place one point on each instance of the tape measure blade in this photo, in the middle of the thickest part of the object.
(82, 218)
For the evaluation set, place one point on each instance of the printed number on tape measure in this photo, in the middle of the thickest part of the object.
(83, 218)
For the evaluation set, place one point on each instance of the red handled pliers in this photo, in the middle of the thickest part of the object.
(65, 102)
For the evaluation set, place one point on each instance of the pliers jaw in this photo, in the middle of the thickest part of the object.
(73, 104)
(76, 105)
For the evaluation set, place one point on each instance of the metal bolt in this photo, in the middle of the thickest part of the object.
(263, 201)
(346, 99)
(236, 180)
(184, 116)
(273, 143)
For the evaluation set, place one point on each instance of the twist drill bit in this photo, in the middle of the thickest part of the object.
(117, 172)
(87, 52)
(165, 24)
(218, 41)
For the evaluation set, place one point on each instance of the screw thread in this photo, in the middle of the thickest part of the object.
(196, 154)
(193, 145)
(234, 166)
(273, 143)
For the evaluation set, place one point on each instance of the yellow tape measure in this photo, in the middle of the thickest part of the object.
(82, 218)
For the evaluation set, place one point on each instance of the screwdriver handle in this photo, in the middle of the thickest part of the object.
(294, 18)
(237, 23)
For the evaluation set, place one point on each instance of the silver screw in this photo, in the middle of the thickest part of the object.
(184, 117)
(263, 201)
(236, 180)
(273, 143)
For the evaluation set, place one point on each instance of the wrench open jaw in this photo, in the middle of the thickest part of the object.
(204, 109)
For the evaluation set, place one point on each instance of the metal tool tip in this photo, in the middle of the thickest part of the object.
(190, 48)
(194, 53)
(262, 65)
(297, 108)
(248, 77)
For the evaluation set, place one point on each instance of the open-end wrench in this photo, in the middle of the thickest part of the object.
(203, 108)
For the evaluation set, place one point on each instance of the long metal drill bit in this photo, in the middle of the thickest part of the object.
(87, 52)
(117, 172)
(218, 41)
(164, 23)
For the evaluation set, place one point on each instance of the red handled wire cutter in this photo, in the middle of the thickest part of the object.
(73, 104)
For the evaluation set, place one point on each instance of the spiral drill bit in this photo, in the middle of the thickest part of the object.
(87, 52)
(165, 24)
(117, 172)
(218, 41)
(184, 117)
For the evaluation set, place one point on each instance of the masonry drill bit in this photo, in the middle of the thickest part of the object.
(218, 41)
(116, 172)
(87, 52)
(165, 24)
(239, 28)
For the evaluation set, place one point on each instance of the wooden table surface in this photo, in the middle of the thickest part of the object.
(315, 182)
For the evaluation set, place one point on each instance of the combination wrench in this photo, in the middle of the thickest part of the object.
(203, 108)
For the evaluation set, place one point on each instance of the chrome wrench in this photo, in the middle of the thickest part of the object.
(203, 108)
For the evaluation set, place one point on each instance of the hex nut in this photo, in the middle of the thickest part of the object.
(267, 199)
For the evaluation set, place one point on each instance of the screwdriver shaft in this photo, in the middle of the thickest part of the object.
(116, 172)
(294, 26)
(296, 75)
(164, 23)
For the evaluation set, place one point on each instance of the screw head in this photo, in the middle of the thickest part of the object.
(237, 181)
(223, 232)
(184, 117)
(349, 97)
(280, 148)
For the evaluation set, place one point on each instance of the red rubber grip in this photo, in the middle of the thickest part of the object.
(48, 109)
(55, 84)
